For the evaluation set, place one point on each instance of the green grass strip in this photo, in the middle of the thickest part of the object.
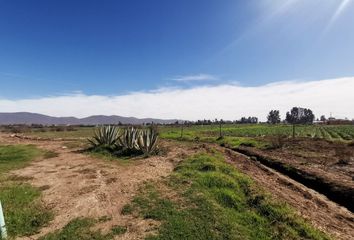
(215, 201)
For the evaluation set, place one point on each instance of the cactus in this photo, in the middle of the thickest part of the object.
(148, 141)
(105, 136)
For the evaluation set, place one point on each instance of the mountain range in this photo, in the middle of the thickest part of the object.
(35, 118)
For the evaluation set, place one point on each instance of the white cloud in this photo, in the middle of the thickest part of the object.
(197, 77)
(223, 101)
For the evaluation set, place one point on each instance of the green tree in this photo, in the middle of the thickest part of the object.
(273, 117)
(299, 115)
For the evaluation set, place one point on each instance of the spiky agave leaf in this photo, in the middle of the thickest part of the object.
(129, 139)
(105, 136)
(148, 141)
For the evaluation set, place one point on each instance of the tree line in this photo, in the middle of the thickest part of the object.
(296, 115)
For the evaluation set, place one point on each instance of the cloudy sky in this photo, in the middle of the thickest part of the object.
(177, 59)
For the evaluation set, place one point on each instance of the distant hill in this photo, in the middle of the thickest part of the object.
(35, 118)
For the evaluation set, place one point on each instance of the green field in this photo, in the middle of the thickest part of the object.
(78, 132)
(203, 132)
(338, 132)
(233, 134)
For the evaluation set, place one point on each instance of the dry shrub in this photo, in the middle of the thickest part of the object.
(277, 141)
(18, 129)
(344, 155)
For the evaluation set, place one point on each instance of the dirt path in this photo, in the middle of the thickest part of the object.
(318, 209)
(77, 185)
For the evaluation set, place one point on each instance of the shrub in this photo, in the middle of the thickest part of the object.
(276, 141)
(344, 155)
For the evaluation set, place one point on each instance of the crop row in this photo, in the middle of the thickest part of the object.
(340, 132)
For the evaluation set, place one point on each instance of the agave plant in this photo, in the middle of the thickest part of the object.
(129, 139)
(105, 136)
(148, 141)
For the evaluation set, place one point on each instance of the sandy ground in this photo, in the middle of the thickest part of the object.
(77, 185)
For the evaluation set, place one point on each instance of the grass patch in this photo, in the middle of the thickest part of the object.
(127, 209)
(80, 132)
(215, 201)
(194, 134)
(24, 214)
(80, 229)
(17, 156)
(233, 142)
(118, 230)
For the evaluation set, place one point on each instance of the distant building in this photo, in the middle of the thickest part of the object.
(333, 121)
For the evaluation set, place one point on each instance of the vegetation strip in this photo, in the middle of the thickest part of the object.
(190, 132)
(340, 194)
(80, 229)
(24, 214)
(206, 198)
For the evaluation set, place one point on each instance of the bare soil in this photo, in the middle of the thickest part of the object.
(327, 167)
(333, 159)
(78, 185)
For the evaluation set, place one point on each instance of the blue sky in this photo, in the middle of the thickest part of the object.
(114, 48)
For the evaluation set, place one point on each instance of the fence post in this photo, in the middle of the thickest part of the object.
(182, 130)
(220, 133)
(3, 231)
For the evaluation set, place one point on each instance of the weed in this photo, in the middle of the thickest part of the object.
(118, 230)
(104, 219)
(276, 141)
(127, 209)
